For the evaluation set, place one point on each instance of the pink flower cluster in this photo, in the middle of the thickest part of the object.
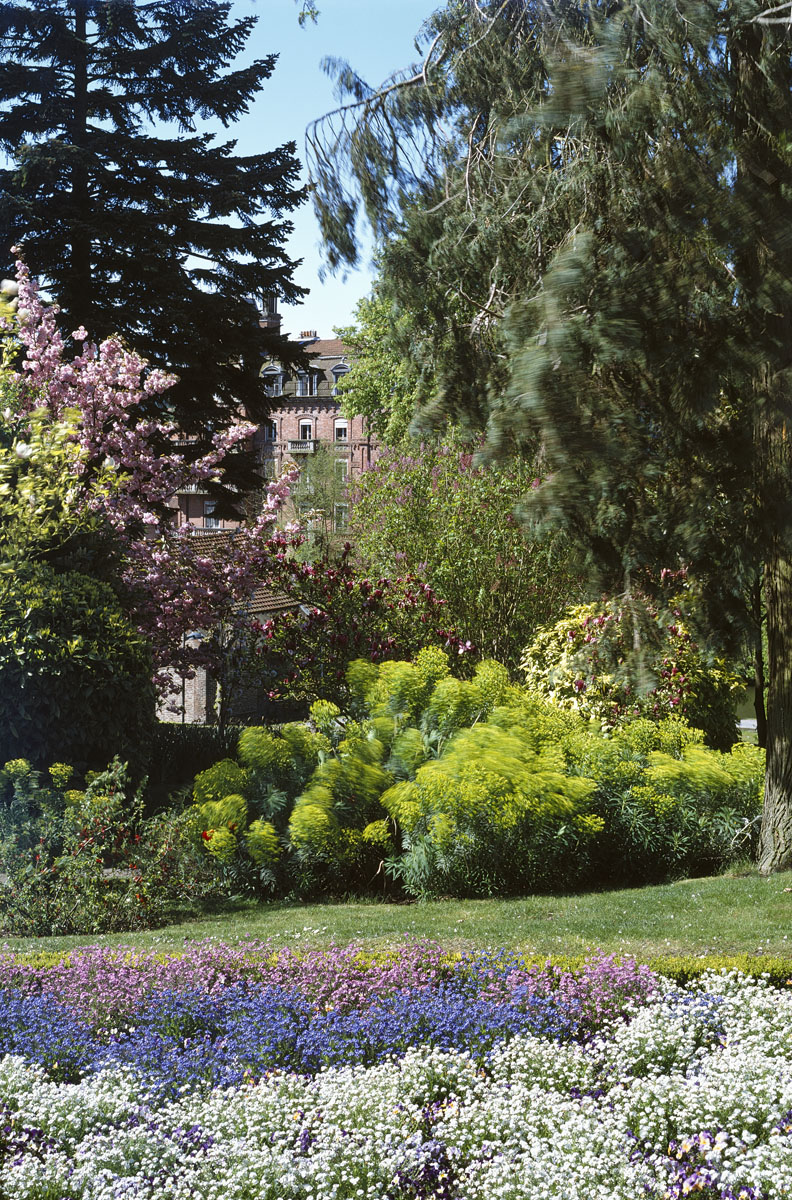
(107, 983)
(173, 585)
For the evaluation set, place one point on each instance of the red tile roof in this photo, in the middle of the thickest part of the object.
(327, 348)
(264, 598)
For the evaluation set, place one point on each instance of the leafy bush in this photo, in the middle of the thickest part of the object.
(440, 515)
(492, 817)
(587, 662)
(670, 806)
(471, 787)
(75, 677)
(82, 860)
(176, 752)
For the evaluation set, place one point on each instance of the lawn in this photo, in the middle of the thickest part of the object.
(726, 914)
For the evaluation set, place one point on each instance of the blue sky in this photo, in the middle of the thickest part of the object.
(377, 38)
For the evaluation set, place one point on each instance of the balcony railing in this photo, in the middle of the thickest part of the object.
(301, 447)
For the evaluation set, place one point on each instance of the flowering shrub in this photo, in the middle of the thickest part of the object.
(339, 615)
(679, 1092)
(83, 860)
(473, 787)
(82, 471)
(587, 662)
(492, 817)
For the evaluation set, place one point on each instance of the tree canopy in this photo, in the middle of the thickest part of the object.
(604, 229)
(138, 221)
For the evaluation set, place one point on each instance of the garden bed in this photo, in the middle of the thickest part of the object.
(246, 1073)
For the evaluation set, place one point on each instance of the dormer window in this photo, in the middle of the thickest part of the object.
(339, 371)
(210, 521)
(307, 383)
(273, 381)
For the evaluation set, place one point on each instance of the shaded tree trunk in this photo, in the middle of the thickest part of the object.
(775, 844)
(759, 665)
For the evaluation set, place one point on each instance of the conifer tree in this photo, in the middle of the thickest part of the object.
(138, 221)
(644, 166)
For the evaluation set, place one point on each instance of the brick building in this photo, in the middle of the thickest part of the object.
(305, 413)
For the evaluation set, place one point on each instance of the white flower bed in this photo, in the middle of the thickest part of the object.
(711, 1072)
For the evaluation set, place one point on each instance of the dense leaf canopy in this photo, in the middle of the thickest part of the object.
(139, 221)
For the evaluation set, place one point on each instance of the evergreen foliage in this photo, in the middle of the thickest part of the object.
(75, 676)
(607, 234)
(140, 223)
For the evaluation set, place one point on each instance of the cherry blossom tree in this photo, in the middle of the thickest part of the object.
(115, 470)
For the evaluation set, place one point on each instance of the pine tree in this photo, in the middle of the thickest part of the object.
(138, 222)
(647, 323)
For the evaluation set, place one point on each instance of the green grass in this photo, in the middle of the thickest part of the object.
(727, 914)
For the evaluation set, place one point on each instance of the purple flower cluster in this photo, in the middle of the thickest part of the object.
(693, 1168)
(221, 1015)
(601, 990)
(108, 982)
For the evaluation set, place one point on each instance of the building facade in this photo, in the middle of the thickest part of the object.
(305, 414)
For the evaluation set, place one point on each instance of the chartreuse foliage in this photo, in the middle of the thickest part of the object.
(472, 788)
(587, 662)
(492, 816)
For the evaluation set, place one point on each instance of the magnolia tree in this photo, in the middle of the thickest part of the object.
(79, 457)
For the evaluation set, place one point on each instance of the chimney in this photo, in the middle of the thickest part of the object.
(308, 335)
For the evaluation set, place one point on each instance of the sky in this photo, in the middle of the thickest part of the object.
(376, 37)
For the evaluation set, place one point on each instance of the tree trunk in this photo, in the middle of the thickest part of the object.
(759, 665)
(78, 301)
(775, 843)
(762, 80)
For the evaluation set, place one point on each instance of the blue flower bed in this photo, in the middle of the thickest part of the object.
(191, 1039)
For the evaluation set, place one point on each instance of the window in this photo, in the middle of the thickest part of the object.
(342, 469)
(270, 430)
(340, 516)
(307, 382)
(306, 431)
(209, 519)
(339, 371)
(341, 431)
(273, 381)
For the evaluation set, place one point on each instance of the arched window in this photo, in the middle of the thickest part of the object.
(273, 381)
(339, 371)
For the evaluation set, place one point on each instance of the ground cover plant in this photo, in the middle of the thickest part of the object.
(240, 1072)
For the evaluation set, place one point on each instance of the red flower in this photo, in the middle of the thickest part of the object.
(207, 834)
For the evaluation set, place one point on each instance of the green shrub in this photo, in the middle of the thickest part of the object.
(338, 830)
(490, 817)
(82, 860)
(587, 662)
(680, 810)
(471, 788)
(75, 678)
(175, 753)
